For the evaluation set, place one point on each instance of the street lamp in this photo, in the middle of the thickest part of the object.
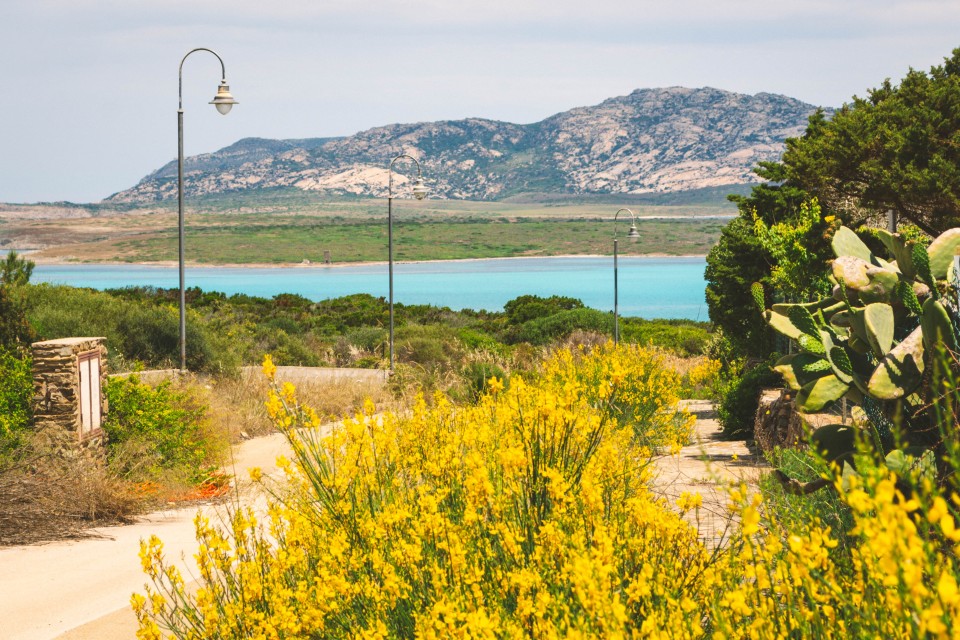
(633, 235)
(223, 101)
(419, 192)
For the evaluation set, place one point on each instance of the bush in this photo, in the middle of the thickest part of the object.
(370, 339)
(16, 389)
(529, 515)
(159, 432)
(430, 346)
(136, 332)
(737, 410)
(541, 331)
(683, 337)
(526, 308)
(525, 515)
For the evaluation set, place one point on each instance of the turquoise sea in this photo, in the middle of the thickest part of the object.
(649, 287)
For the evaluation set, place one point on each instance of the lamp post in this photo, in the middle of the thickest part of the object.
(633, 235)
(419, 192)
(223, 101)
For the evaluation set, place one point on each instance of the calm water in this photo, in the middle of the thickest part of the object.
(649, 287)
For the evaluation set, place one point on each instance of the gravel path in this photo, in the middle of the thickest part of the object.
(709, 466)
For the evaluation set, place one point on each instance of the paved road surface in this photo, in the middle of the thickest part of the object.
(80, 590)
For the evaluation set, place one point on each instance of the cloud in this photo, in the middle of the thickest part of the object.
(96, 80)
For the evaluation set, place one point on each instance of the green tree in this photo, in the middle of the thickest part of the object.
(733, 264)
(898, 148)
(799, 250)
(15, 330)
(15, 270)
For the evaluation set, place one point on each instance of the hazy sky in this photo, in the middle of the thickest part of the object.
(89, 87)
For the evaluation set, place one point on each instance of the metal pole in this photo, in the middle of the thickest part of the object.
(390, 236)
(616, 316)
(180, 222)
(616, 306)
(891, 221)
(390, 260)
(183, 294)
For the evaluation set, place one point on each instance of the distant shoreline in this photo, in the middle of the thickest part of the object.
(333, 265)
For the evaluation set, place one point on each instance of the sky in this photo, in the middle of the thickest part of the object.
(89, 87)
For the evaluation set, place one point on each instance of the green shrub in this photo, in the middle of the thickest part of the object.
(479, 341)
(560, 325)
(16, 388)
(286, 349)
(476, 375)
(136, 331)
(741, 397)
(153, 432)
(286, 324)
(370, 339)
(430, 346)
(359, 310)
(526, 308)
(683, 337)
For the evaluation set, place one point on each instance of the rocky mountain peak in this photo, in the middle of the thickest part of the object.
(651, 140)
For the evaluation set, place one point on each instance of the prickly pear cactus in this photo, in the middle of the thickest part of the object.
(872, 342)
(874, 336)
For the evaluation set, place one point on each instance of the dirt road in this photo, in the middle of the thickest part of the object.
(80, 590)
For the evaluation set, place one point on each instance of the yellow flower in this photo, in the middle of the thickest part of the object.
(269, 369)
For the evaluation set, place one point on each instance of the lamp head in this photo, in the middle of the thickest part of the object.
(420, 190)
(223, 101)
(633, 234)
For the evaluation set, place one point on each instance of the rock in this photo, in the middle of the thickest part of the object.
(651, 141)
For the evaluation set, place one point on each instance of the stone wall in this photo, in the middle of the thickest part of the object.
(56, 389)
(778, 423)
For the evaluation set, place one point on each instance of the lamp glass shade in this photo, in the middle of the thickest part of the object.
(633, 234)
(223, 101)
(420, 190)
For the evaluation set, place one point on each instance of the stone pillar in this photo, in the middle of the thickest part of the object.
(69, 375)
(778, 423)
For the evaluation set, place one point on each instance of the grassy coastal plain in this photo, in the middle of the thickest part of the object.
(291, 228)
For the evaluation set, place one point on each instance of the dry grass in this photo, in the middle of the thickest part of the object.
(680, 364)
(47, 493)
(237, 403)
(50, 490)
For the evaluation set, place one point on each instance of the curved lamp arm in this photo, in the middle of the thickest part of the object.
(224, 99)
(633, 221)
(390, 170)
(223, 68)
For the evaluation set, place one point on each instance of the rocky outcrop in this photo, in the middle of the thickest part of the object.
(651, 141)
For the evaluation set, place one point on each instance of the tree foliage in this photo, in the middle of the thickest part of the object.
(898, 148)
(15, 330)
(737, 260)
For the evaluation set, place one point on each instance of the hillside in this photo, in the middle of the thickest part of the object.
(651, 141)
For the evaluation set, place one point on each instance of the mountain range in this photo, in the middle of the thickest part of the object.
(650, 141)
